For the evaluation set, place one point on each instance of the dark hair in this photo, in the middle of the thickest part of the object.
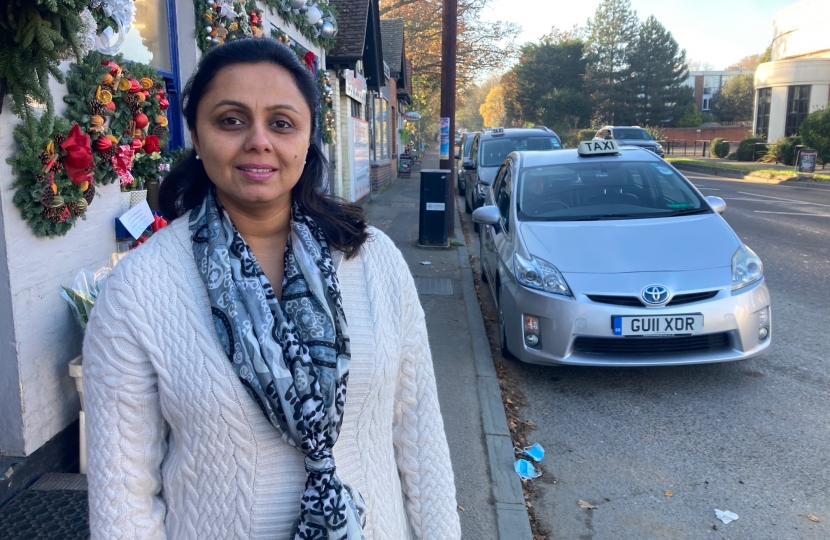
(187, 184)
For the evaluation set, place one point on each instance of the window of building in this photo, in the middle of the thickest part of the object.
(711, 84)
(798, 106)
(706, 101)
(355, 108)
(380, 135)
(762, 113)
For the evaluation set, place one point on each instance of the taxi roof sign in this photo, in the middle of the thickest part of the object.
(497, 131)
(598, 147)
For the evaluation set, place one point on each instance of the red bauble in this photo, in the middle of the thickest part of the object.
(141, 120)
(135, 86)
(163, 104)
(146, 93)
(103, 143)
(137, 144)
(112, 65)
(110, 106)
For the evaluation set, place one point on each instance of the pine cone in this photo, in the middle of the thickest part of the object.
(135, 108)
(58, 167)
(74, 211)
(158, 86)
(44, 157)
(59, 138)
(159, 131)
(109, 153)
(47, 196)
(89, 194)
(53, 213)
(40, 178)
(129, 99)
(96, 107)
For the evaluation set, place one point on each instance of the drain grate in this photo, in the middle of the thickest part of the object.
(439, 286)
(39, 514)
(60, 481)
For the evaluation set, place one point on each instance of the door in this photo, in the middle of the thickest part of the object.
(498, 237)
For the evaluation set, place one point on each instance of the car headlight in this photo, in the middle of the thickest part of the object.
(539, 274)
(659, 147)
(746, 268)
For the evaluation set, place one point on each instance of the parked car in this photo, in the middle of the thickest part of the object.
(462, 154)
(608, 256)
(630, 136)
(489, 150)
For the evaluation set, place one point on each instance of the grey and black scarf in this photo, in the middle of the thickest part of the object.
(291, 354)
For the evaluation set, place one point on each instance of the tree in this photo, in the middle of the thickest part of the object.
(691, 117)
(658, 70)
(611, 36)
(468, 113)
(736, 100)
(745, 63)
(815, 132)
(766, 56)
(699, 65)
(492, 110)
(550, 84)
(558, 35)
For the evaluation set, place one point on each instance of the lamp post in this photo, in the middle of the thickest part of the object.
(449, 51)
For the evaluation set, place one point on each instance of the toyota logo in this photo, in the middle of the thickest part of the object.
(655, 295)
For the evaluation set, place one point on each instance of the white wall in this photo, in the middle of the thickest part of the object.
(41, 332)
(801, 30)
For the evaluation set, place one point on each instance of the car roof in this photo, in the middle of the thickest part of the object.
(537, 158)
(626, 127)
(520, 132)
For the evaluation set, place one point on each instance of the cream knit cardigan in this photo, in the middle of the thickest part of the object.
(177, 449)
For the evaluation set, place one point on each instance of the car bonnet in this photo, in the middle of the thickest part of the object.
(632, 245)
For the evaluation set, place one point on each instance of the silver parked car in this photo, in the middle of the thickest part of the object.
(608, 256)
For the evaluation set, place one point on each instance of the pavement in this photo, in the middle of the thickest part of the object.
(491, 504)
(657, 450)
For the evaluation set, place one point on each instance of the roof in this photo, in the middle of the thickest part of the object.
(391, 32)
(352, 16)
(570, 155)
(517, 132)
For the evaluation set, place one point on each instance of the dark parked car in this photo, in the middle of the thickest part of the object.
(489, 150)
(462, 153)
(630, 136)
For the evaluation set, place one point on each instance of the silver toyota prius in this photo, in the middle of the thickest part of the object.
(608, 256)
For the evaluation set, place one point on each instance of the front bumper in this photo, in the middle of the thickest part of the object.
(731, 327)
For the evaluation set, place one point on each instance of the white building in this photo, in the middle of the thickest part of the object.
(797, 80)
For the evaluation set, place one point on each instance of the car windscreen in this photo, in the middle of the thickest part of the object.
(468, 143)
(632, 134)
(593, 190)
(494, 151)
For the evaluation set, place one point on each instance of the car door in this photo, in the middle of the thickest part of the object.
(470, 176)
(498, 237)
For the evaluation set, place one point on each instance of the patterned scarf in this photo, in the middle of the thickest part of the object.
(292, 355)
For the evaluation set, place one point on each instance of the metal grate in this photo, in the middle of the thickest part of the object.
(439, 286)
(634, 301)
(46, 514)
(652, 345)
(60, 481)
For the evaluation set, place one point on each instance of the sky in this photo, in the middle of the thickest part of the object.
(719, 32)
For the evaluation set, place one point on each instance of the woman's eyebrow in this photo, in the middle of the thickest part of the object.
(246, 107)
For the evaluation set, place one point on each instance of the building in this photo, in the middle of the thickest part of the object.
(797, 80)
(708, 83)
(400, 81)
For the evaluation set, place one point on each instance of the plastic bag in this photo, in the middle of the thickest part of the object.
(84, 292)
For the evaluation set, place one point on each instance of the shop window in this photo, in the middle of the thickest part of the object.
(355, 108)
(798, 106)
(762, 113)
(148, 42)
(381, 128)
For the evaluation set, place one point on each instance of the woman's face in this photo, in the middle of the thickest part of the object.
(253, 129)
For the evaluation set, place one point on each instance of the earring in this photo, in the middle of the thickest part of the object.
(198, 157)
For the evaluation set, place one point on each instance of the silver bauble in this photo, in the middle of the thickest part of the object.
(313, 15)
(327, 30)
(297, 4)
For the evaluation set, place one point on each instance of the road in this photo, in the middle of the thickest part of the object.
(658, 450)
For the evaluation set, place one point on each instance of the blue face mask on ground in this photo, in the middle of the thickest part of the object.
(526, 469)
(535, 452)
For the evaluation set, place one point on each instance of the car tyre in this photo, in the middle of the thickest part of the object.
(481, 265)
(461, 190)
(505, 352)
(467, 208)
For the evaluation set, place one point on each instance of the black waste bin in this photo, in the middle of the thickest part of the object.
(432, 228)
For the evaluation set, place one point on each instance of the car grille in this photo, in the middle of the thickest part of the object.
(652, 345)
(634, 301)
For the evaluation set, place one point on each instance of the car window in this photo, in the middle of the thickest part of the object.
(474, 149)
(468, 144)
(503, 196)
(632, 134)
(495, 151)
(591, 190)
(601, 134)
(499, 178)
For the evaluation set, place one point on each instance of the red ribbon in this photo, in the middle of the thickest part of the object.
(309, 60)
(78, 158)
(122, 163)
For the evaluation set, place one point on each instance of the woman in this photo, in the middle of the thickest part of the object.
(220, 406)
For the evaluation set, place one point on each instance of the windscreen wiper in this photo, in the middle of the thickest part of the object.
(690, 211)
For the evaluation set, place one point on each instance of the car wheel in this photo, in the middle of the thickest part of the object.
(476, 228)
(461, 190)
(503, 334)
(481, 262)
(467, 207)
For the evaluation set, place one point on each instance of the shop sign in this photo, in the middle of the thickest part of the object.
(359, 151)
(412, 116)
(806, 161)
(356, 86)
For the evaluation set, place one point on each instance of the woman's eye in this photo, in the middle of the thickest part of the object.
(282, 124)
(231, 121)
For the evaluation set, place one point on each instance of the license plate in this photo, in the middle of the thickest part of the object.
(657, 325)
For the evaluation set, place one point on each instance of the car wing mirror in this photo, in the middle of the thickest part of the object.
(486, 215)
(468, 165)
(717, 204)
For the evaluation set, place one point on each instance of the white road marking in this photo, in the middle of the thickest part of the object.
(708, 189)
(791, 213)
(784, 200)
(745, 199)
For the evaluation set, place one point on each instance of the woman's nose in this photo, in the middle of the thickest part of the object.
(258, 139)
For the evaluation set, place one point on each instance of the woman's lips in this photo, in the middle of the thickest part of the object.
(256, 171)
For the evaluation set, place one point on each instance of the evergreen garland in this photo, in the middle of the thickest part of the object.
(298, 18)
(50, 211)
(214, 27)
(35, 35)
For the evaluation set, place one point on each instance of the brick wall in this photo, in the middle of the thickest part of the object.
(735, 134)
(381, 176)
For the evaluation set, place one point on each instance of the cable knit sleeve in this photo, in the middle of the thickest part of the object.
(126, 434)
(421, 450)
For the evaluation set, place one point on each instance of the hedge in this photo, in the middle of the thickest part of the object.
(747, 147)
(719, 147)
(586, 134)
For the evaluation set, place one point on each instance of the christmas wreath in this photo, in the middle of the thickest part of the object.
(218, 21)
(315, 19)
(108, 134)
(123, 109)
